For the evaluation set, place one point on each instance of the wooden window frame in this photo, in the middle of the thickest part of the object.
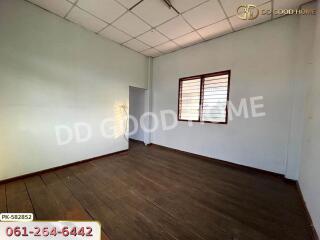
(202, 78)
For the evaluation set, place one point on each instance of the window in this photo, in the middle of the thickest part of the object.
(204, 98)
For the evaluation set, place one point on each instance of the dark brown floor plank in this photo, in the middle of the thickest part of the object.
(45, 203)
(71, 206)
(3, 199)
(18, 200)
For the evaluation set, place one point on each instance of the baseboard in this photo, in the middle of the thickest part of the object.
(225, 163)
(314, 232)
(62, 166)
(135, 140)
(139, 141)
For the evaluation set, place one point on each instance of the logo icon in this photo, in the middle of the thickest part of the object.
(248, 12)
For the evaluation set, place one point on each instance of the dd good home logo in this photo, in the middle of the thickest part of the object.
(248, 12)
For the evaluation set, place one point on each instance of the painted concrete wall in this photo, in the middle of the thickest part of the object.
(310, 162)
(300, 76)
(262, 62)
(53, 73)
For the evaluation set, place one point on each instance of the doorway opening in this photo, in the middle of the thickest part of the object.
(137, 107)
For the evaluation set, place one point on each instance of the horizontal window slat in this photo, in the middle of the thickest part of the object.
(209, 89)
(212, 100)
(214, 115)
(195, 117)
(190, 92)
(208, 83)
(189, 115)
(191, 86)
(216, 77)
(194, 101)
(190, 102)
(215, 101)
(220, 108)
(222, 81)
(193, 108)
(190, 108)
(216, 91)
(214, 120)
(193, 98)
(215, 85)
(190, 105)
(191, 80)
(214, 108)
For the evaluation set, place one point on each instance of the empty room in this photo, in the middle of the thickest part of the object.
(159, 119)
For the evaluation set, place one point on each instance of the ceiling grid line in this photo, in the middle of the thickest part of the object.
(272, 9)
(92, 14)
(114, 21)
(149, 27)
(73, 5)
(194, 29)
(225, 13)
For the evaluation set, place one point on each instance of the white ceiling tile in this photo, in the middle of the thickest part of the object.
(136, 45)
(151, 52)
(231, 6)
(152, 38)
(154, 12)
(129, 3)
(238, 23)
(188, 39)
(184, 5)
(288, 4)
(175, 28)
(294, 4)
(131, 24)
(204, 15)
(115, 34)
(167, 47)
(86, 20)
(107, 10)
(215, 30)
(59, 7)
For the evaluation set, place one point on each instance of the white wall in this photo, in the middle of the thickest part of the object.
(262, 60)
(301, 75)
(310, 163)
(53, 72)
(137, 109)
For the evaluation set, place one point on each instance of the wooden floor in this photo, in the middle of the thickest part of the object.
(154, 193)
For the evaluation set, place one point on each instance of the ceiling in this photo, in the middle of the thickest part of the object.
(152, 28)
